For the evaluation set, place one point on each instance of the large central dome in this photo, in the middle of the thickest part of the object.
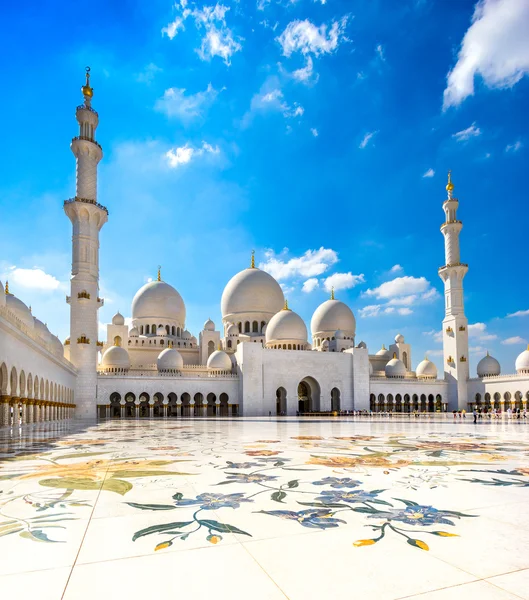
(251, 291)
(160, 301)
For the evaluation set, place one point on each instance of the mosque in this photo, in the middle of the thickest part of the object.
(259, 362)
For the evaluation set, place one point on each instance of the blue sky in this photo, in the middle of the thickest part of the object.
(318, 133)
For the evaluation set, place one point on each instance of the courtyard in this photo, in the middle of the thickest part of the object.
(260, 508)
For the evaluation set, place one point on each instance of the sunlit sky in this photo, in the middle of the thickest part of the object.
(317, 133)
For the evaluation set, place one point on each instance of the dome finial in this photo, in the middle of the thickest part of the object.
(159, 273)
(88, 92)
(252, 262)
(449, 185)
(7, 287)
(332, 293)
(286, 305)
(219, 346)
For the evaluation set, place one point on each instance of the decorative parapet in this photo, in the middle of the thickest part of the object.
(462, 328)
(100, 301)
(84, 294)
(83, 340)
(449, 360)
(463, 359)
(449, 330)
(89, 108)
(86, 201)
(87, 139)
(100, 344)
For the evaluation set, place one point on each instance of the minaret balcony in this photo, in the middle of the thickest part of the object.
(83, 340)
(86, 201)
(68, 299)
(87, 139)
(100, 302)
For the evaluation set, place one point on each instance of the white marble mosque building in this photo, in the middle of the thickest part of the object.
(260, 361)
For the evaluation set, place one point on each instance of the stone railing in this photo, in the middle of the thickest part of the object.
(175, 375)
(489, 378)
(86, 201)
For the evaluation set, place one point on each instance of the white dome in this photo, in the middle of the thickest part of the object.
(169, 360)
(118, 319)
(288, 326)
(383, 352)
(487, 366)
(399, 338)
(251, 291)
(134, 332)
(160, 301)
(362, 345)
(186, 335)
(331, 316)
(209, 325)
(426, 369)
(232, 330)
(219, 360)
(395, 368)
(339, 335)
(116, 357)
(20, 310)
(57, 347)
(42, 331)
(161, 330)
(522, 362)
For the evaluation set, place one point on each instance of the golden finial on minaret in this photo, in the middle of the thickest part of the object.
(88, 92)
(7, 287)
(449, 185)
(159, 273)
(332, 293)
(252, 262)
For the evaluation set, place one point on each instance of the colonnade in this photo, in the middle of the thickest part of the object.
(23, 411)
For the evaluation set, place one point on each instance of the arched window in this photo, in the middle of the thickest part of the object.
(168, 330)
(153, 328)
(405, 359)
(239, 325)
(229, 343)
(141, 330)
(147, 329)
(255, 327)
(263, 325)
(117, 341)
(173, 330)
(247, 327)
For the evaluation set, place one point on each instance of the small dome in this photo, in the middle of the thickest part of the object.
(426, 370)
(42, 331)
(339, 335)
(219, 361)
(488, 366)
(186, 335)
(158, 300)
(116, 357)
(161, 330)
(362, 345)
(118, 319)
(331, 316)
(251, 291)
(134, 332)
(286, 326)
(399, 338)
(57, 347)
(20, 310)
(209, 325)
(169, 360)
(395, 368)
(383, 352)
(232, 330)
(522, 362)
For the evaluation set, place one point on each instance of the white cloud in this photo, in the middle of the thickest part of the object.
(173, 28)
(183, 154)
(314, 131)
(479, 331)
(310, 285)
(404, 311)
(271, 98)
(396, 269)
(380, 52)
(376, 310)
(514, 340)
(429, 173)
(519, 313)
(307, 38)
(148, 74)
(175, 103)
(217, 40)
(366, 139)
(403, 300)
(310, 264)
(476, 349)
(496, 47)
(306, 74)
(466, 134)
(400, 286)
(514, 147)
(33, 279)
(434, 352)
(343, 281)
(437, 335)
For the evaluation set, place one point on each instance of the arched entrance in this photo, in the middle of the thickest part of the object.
(186, 404)
(115, 405)
(212, 408)
(199, 399)
(281, 401)
(158, 407)
(130, 406)
(335, 400)
(144, 405)
(308, 395)
(172, 407)
(224, 404)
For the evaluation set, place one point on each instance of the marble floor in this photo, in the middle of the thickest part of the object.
(266, 509)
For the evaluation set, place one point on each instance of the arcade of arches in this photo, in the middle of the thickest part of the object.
(515, 401)
(27, 398)
(407, 403)
(186, 405)
(308, 398)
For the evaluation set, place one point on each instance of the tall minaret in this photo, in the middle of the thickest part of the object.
(455, 324)
(87, 217)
